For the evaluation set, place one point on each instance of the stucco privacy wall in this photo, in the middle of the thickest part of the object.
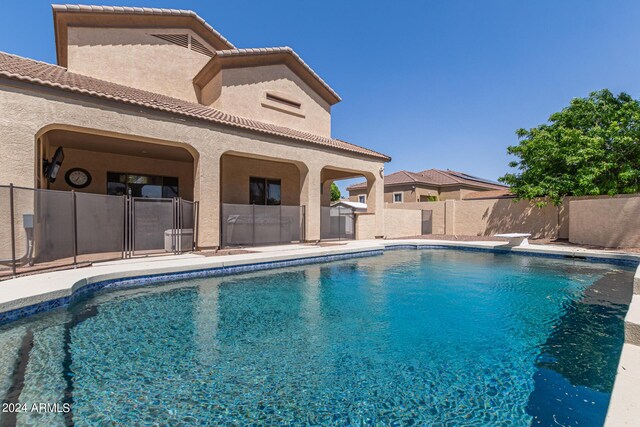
(488, 217)
(596, 220)
(105, 52)
(402, 223)
(437, 211)
(365, 226)
(26, 111)
(610, 222)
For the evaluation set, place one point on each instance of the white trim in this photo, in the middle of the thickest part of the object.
(362, 198)
(401, 197)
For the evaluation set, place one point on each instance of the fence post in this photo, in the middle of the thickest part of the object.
(174, 226)
(196, 218)
(253, 226)
(280, 227)
(74, 217)
(180, 225)
(132, 226)
(339, 222)
(13, 231)
(124, 224)
(304, 223)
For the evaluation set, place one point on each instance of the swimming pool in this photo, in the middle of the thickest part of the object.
(408, 337)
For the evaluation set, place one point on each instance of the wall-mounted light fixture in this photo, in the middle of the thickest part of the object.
(51, 168)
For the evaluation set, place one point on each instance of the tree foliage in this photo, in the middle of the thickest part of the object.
(335, 192)
(590, 147)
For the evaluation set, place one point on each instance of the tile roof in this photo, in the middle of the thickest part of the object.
(43, 74)
(433, 177)
(82, 8)
(277, 50)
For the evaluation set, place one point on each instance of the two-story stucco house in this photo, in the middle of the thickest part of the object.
(157, 103)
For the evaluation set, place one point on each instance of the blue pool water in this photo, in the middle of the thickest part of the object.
(431, 337)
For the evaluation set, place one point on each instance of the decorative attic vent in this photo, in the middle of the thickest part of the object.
(196, 46)
(283, 100)
(182, 40)
(177, 39)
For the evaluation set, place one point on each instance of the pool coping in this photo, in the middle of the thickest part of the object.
(26, 296)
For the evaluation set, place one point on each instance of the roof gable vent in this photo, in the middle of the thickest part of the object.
(177, 39)
(196, 46)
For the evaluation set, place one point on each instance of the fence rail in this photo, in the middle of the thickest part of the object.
(42, 229)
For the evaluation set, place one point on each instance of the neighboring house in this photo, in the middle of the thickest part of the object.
(505, 193)
(425, 186)
(156, 103)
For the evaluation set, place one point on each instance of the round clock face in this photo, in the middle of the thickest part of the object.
(78, 178)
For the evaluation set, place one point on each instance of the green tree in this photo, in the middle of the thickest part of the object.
(335, 192)
(591, 147)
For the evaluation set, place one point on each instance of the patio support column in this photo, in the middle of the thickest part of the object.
(375, 201)
(310, 197)
(207, 192)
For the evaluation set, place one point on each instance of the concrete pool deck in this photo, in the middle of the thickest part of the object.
(38, 290)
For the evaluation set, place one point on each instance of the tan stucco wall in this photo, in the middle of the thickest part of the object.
(134, 58)
(98, 164)
(609, 222)
(437, 211)
(236, 172)
(402, 223)
(27, 111)
(242, 91)
(488, 217)
(595, 220)
(365, 226)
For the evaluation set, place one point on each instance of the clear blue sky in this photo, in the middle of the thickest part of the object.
(439, 84)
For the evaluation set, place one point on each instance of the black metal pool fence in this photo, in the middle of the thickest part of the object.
(39, 227)
(337, 223)
(260, 225)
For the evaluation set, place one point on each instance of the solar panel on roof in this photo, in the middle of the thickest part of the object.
(474, 178)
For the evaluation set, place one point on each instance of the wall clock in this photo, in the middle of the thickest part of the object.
(77, 178)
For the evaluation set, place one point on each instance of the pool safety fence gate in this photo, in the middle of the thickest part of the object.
(41, 229)
(337, 223)
(260, 225)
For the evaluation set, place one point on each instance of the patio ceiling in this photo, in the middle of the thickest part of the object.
(105, 144)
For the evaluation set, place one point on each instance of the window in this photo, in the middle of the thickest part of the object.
(150, 186)
(362, 198)
(263, 191)
(397, 197)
